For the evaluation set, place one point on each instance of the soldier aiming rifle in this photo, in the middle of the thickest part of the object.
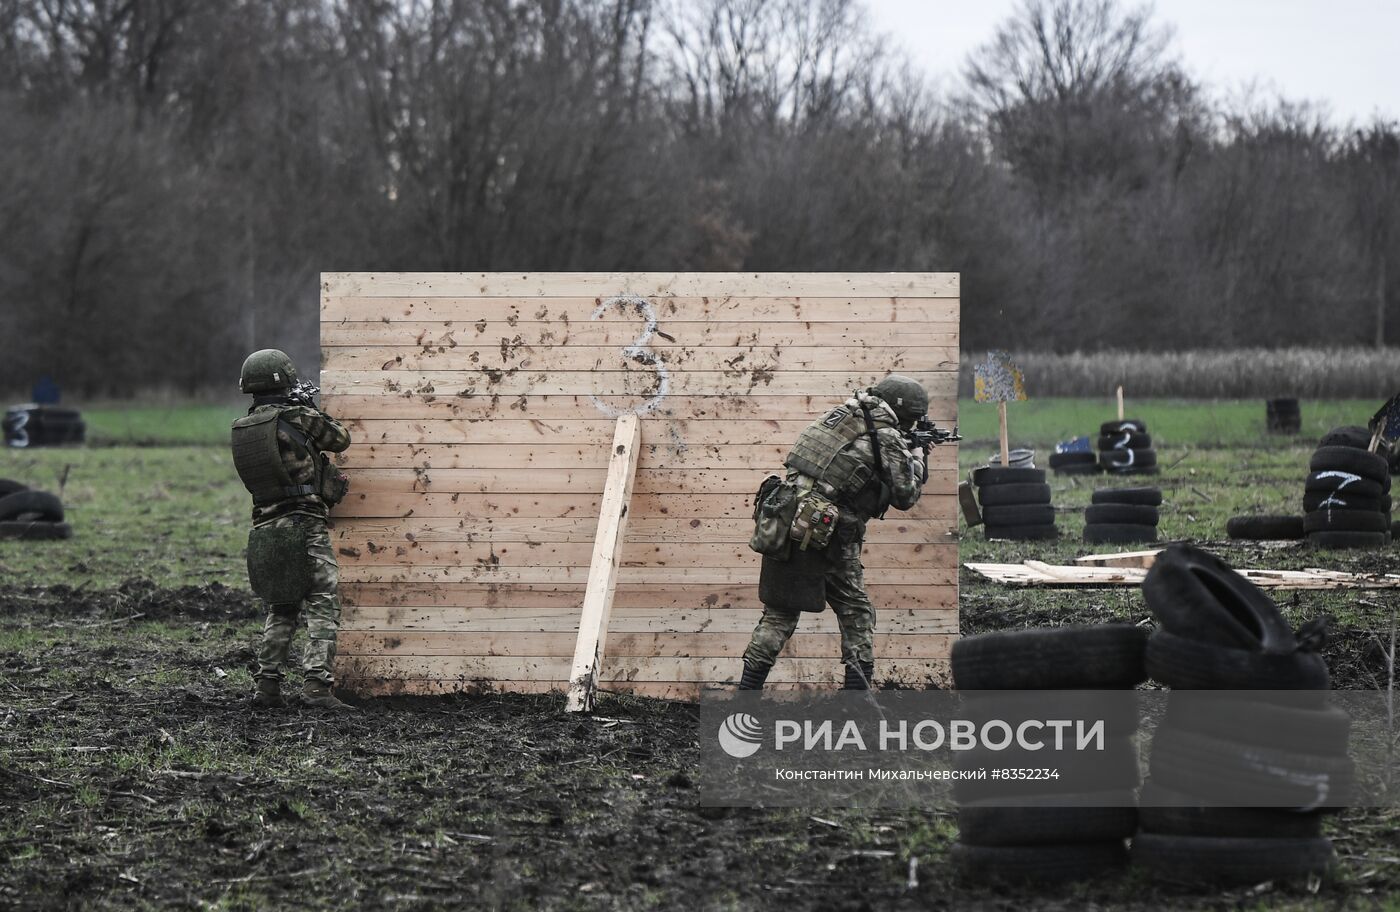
(847, 467)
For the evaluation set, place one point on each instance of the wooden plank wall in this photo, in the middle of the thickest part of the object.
(482, 408)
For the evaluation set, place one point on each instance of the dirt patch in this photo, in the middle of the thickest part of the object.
(214, 601)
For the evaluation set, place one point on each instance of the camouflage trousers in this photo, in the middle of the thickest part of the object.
(845, 593)
(321, 607)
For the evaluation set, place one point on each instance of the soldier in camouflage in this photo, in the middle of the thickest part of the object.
(837, 456)
(277, 451)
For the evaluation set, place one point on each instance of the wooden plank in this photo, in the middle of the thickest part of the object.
(688, 691)
(1034, 573)
(448, 334)
(437, 432)
(620, 644)
(629, 669)
(565, 481)
(1140, 559)
(592, 455)
(633, 554)
(471, 506)
(452, 602)
(648, 575)
(603, 567)
(356, 532)
(565, 312)
(593, 285)
(940, 616)
(505, 356)
(410, 405)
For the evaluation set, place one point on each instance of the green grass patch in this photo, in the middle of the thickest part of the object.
(1171, 422)
(168, 425)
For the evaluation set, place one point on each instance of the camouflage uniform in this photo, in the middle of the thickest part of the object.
(845, 582)
(309, 512)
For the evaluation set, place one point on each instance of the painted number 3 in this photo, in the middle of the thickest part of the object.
(638, 353)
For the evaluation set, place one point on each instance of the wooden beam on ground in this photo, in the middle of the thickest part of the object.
(603, 571)
(1054, 576)
(1141, 559)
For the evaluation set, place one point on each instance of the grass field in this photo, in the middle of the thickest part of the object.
(133, 777)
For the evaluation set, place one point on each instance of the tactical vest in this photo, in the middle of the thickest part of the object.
(258, 458)
(825, 452)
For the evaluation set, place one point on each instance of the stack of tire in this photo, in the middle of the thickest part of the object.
(1347, 493)
(1069, 828)
(1125, 448)
(1237, 785)
(1015, 503)
(1122, 515)
(1074, 462)
(28, 426)
(31, 515)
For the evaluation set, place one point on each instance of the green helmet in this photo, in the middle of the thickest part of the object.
(904, 395)
(267, 371)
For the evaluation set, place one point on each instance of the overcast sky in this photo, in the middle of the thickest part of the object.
(1344, 53)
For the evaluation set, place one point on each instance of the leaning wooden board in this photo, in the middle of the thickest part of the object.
(1036, 574)
(483, 408)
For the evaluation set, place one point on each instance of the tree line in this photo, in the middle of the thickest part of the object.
(175, 173)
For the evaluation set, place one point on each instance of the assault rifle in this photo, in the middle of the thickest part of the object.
(926, 435)
(303, 393)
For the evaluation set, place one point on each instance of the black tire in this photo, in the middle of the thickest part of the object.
(1118, 534)
(996, 475)
(1130, 514)
(1021, 515)
(1167, 812)
(1339, 540)
(1115, 768)
(1009, 494)
(1022, 533)
(1347, 484)
(31, 505)
(1088, 468)
(1040, 864)
(1351, 435)
(35, 530)
(1333, 520)
(1317, 500)
(1050, 820)
(1143, 497)
(1321, 730)
(8, 487)
(1097, 657)
(1063, 460)
(1350, 459)
(1118, 427)
(1128, 460)
(1118, 708)
(1233, 862)
(1192, 665)
(1127, 440)
(1224, 770)
(1265, 528)
(1196, 594)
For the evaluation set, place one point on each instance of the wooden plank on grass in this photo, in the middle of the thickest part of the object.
(603, 569)
(596, 285)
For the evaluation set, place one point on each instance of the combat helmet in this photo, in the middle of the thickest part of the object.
(267, 371)
(905, 395)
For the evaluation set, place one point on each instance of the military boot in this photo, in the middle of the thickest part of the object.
(859, 677)
(754, 676)
(318, 694)
(268, 694)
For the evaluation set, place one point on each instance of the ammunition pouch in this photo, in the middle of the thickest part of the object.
(795, 584)
(774, 507)
(279, 569)
(334, 485)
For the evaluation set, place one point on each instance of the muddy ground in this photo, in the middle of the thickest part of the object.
(132, 775)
